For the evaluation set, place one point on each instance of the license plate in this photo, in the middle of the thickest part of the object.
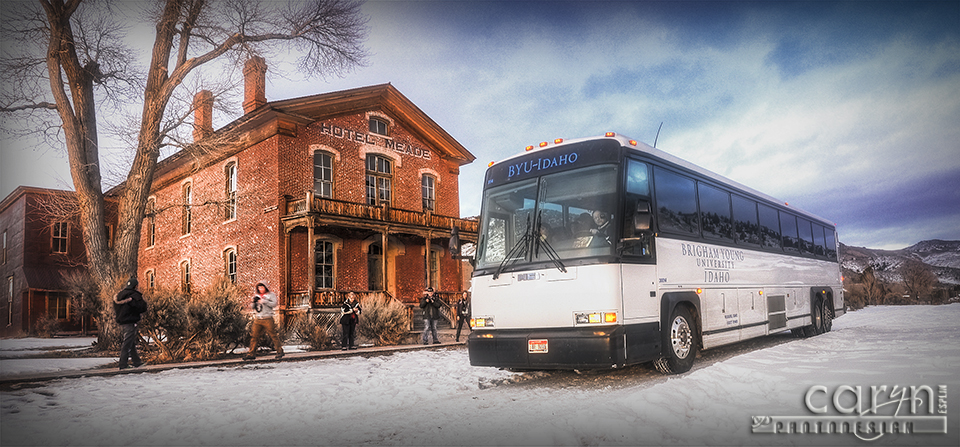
(537, 346)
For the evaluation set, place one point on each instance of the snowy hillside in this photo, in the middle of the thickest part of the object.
(437, 398)
(942, 256)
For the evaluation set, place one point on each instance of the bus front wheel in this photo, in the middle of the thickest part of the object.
(679, 341)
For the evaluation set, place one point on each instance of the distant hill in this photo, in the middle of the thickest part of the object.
(942, 256)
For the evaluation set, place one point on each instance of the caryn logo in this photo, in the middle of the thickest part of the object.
(866, 414)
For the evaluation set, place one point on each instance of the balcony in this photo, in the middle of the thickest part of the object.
(330, 211)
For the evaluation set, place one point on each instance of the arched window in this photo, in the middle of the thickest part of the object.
(230, 191)
(379, 126)
(323, 174)
(230, 264)
(428, 188)
(185, 277)
(379, 180)
(150, 278)
(151, 222)
(186, 197)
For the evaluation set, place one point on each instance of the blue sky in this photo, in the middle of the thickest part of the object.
(849, 110)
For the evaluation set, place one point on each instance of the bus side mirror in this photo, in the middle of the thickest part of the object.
(642, 217)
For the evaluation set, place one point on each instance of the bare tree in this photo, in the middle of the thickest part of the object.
(918, 278)
(65, 61)
(873, 286)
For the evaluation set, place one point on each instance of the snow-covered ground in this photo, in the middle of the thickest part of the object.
(437, 398)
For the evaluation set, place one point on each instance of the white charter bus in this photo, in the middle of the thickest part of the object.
(605, 252)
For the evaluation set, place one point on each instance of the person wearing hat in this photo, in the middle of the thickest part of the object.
(430, 303)
(128, 305)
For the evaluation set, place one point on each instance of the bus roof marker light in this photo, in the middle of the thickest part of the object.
(633, 142)
(490, 164)
(558, 141)
(543, 144)
(610, 134)
(699, 291)
(529, 148)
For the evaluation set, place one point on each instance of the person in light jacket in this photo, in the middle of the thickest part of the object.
(262, 304)
(430, 303)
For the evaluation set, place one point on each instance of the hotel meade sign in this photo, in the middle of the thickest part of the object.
(374, 140)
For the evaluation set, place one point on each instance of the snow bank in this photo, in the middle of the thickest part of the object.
(436, 398)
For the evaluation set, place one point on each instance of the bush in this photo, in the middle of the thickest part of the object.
(202, 326)
(308, 331)
(47, 326)
(384, 320)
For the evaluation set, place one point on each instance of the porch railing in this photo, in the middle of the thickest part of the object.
(377, 213)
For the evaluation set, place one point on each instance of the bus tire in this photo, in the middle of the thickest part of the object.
(679, 343)
(826, 322)
(819, 316)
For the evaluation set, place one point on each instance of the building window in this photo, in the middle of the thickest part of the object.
(375, 267)
(428, 186)
(151, 222)
(3, 255)
(433, 278)
(187, 200)
(379, 127)
(230, 264)
(57, 305)
(230, 191)
(185, 277)
(324, 262)
(60, 239)
(9, 300)
(151, 279)
(379, 177)
(323, 174)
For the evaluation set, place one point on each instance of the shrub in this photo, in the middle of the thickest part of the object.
(47, 326)
(197, 327)
(308, 331)
(383, 320)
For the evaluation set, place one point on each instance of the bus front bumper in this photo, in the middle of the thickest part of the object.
(598, 347)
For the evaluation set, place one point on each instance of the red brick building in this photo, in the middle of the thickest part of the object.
(38, 250)
(355, 190)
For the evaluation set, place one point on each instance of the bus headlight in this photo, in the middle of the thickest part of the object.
(481, 322)
(595, 317)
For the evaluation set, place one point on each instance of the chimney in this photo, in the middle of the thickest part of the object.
(254, 84)
(202, 114)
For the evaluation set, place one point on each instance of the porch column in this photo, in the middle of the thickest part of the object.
(426, 259)
(311, 263)
(383, 259)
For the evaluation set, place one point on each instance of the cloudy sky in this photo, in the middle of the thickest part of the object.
(849, 110)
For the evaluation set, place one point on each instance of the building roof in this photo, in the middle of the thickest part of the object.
(277, 117)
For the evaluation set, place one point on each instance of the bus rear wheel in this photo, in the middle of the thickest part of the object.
(821, 318)
(680, 343)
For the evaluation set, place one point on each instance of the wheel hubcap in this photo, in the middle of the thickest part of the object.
(680, 337)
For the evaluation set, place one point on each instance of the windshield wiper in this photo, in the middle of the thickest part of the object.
(518, 252)
(547, 248)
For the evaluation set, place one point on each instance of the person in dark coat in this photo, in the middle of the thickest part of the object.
(463, 313)
(430, 303)
(127, 306)
(349, 317)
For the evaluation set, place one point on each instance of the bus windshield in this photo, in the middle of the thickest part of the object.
(556, 217)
